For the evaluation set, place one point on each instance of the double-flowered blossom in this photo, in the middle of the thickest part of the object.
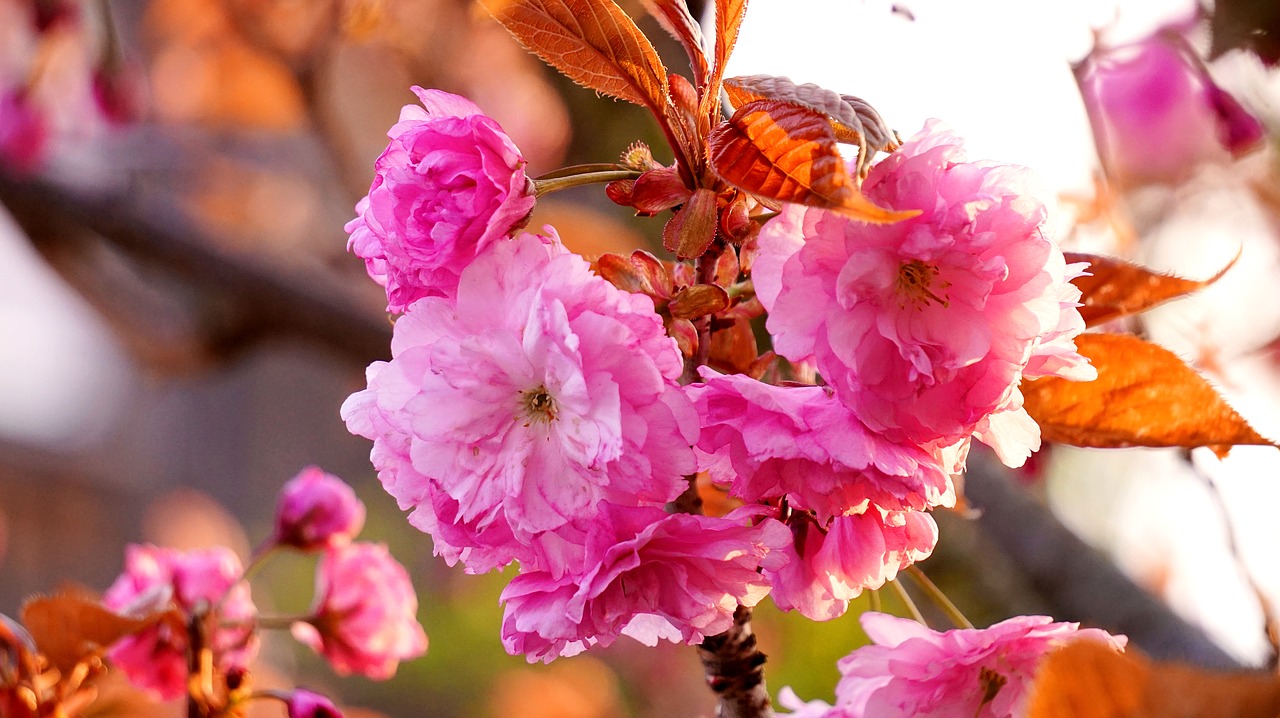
(317, 509)
(512, 410)
(914, 671)
(645, 574)
(448, 185)
(364, 618)
(925, 327)
(855, 500)
(802, 444)
(203, 582)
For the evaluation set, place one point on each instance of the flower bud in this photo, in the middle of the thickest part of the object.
(317, 510)
(306, 704)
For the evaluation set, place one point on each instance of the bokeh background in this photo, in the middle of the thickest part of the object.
(179, 320)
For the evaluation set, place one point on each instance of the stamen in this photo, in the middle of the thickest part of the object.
(539, 406)
(914, 280)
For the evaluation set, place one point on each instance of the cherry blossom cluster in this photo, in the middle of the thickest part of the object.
(362, 620)
(533, 412)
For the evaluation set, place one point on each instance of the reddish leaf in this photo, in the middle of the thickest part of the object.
(1115, 288)
(620, 192)
(658, 190)
(748, 310)
(686, 336)
(729, 15)
(1144, 396)
(641, 273)
(733, 348)
(1088, 679)
(593, 43)
(735, 220)
(698, 301)
(68, 629)
(854, 121)
(782, 151)
(674, 17)
(727, 267)
(693, 228)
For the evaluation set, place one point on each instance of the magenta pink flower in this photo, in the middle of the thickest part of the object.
(1157, 114)
(925, 327)
(317, 510)
(538, 392)
(914, 671)
(830, 565)
(448, 185)
(193, 582)
(24, 132)
(802, 444)
(365, 616)
(303, 703)
(646, 574)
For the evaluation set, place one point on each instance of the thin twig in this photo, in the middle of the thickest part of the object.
(936, 595)
(906, 601)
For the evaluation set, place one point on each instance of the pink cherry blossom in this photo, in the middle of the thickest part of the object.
(925, 327)
(316, 510)
(193, 582)
(449, 184)
(914, 671)
(364, 619)
(802, 444)
(830, 565)
(303, 703)
(535, 394)
(646, 574)
(1157, 114)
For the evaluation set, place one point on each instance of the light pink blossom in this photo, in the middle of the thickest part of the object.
(925, 327)
(802, 444)
(364, 618)
(535, 394)
(193, 582)
(830, 565)
(648, 575)
(315, 510)
(448, 185)
(914, 671)
(1157, 114)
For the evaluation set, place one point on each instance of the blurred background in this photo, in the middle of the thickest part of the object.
(179, 320)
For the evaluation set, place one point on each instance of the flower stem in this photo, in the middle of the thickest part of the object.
(281, 622)
(548, 185)
(906, 601)
(938, 597)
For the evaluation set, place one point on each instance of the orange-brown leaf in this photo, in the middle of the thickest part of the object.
(729, 15)
(69, 628)
(698, 301)
(783, 151)
(1114, 288)
(849, 116)
(693, 227)
(1088, 679)
(733, 348)
(593, 43)
(674, 17)
(1144, 396)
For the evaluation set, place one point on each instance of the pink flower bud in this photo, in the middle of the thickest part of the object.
(317, 510)
(1157, 113)
(306, 704)
(364, 620)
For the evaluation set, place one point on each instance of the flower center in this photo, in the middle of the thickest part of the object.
(914, 280)
(539, 406)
